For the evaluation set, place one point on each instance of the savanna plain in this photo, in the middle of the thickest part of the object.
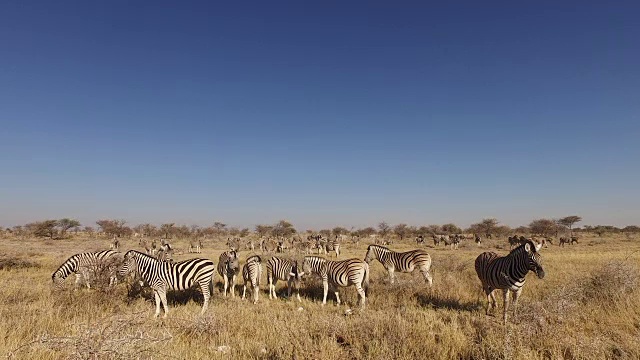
(586, 307)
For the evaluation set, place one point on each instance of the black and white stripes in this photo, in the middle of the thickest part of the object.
(283, 269)
(508, 272)
(162, 276)
(228, 268)
(339, 273)
(401, 261)
(81, 265)
(251, 274)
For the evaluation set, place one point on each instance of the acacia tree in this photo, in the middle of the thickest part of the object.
(569, 221)
(401, 230)
(113, 227)
(544, 227)
(46, 228)
(451, 229)
(283, 229)
(487, 227)
(339, 230)
(167, 230)
(383, 229)
(66, 224)
(263, 230)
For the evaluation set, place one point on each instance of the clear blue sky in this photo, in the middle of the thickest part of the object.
(337, 113)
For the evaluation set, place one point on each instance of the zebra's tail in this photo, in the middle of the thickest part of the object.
(365, 280)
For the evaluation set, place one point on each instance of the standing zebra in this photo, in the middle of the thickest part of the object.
(326, 246)
(508, 273)
(167, 275)
(228, 268)
(401, 261)
(283, 269)
(251, 274)
(340, 273)
(80, 265)
(195, 246)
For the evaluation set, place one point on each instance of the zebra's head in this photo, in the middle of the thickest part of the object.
(534, 260)
(129, 264)
(232, 262)
(370, 255)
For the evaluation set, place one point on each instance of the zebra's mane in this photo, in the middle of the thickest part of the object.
(254, 258)
(520, 247)
(315, 258)
(379, 246)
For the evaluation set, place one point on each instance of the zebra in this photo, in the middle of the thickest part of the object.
(574, 239)
(508, 273)
(80, 265)
(419, 240)
(115, 244)
(251, 274)
(195, 247)
(478, 239)
(162, 276)
(283, 269)
(304, 247)
(340, 273)
(326, 246)
(165, 253)
(228, 268)
(436, 240)
(404, 262)
(516, 241)
(564, 240)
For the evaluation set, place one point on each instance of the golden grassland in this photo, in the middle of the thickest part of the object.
(587, 307)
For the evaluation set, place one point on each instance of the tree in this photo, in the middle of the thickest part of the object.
(89, 230)
(631, 229)
(383, 229)
(66, 224)
(113, 227)
(45, 228)
(487, 227)
(283, 229)
(167, 230)
(522, 230)
(338, 230)
(569, 221)
(263, 230)
(244, 232)
(366, 232)
(451, 229)
(401, 230)
(544, 227)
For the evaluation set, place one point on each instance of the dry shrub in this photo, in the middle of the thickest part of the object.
(612, 282)
(10, 262)
(115, 337)
(103, 273)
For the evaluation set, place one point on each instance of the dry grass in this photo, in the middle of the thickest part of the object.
(588, 307)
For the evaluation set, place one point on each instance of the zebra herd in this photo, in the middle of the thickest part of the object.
(495, 272)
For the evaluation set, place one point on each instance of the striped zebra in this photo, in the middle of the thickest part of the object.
(251, 274)
(228, 268)
(195, 246)
(508, 273)
(286, 270)
(404, 262)
(339, 273)
(162, 276)
(81, 265)
(326, 246)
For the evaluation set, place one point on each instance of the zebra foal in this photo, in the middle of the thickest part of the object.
(81, 265)
(228, 268)
(162, 275)
(283, 269)
(251, 273)
(339, 273)
(404, 262)
(508, 273)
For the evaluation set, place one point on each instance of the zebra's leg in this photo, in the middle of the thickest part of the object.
(427, 277)
(163, 297)
(256, 292)
(226, 284)
(516, 295)
(244, 290)
(325, 285)
(392, 276)
(337, 296)
(505, 295)
(204, 286)
(233, 286)
(272, 288)
(491, 299)
(157, 296)
(361, 293)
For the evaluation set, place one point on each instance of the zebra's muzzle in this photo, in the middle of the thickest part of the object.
(540, 273)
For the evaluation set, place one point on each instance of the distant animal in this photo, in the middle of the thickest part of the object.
(564, 240)
(283, 269)
(419, 240)
(228, 268)
(115, 244)
(574, 239)
(81, 265)
(339, 273)
(508, 273)
(162, 276)
(405, 262)
(195, 246)
(251, 274)
(478, 239)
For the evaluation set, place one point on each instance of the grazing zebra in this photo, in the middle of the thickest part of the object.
(452, 241)
(564, 240)
(228, 268)
(404, 262)
(251, 274)
(304, 247)
(80, 265)
(574, 239)
(162, 276)
(269, 245)
(508, 273)
(283, 269)
(419, 240)
(339, 273)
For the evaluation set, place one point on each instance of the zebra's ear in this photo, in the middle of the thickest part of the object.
(527, 247)
(538, 247)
